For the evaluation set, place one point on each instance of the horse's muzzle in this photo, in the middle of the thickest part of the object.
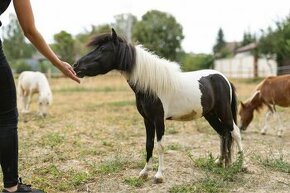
(78, 70)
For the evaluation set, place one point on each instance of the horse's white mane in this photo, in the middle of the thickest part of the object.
(154, 74)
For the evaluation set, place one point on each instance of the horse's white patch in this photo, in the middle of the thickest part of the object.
(159, 175)
(30, 83)
(146, 169)
(178, 91)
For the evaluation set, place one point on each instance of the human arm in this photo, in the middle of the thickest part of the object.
(26, 20)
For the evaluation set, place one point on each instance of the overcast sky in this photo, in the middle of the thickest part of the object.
(200, 19)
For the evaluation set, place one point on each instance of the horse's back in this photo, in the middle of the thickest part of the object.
(276, 90)
(29, 80)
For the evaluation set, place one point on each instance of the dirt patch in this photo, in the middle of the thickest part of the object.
(94, 141)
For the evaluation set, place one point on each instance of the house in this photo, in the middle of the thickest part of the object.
(245, 64)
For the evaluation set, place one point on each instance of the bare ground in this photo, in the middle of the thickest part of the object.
(94, 141)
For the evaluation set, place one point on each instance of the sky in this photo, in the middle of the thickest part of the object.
(200, 19)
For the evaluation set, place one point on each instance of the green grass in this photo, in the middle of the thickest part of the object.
(205, 185)
(226, 174)
(134, 181)
(173, 146)
(278, 164)
(52, 139)
(216, 179)
(63, 180)
(112, 166)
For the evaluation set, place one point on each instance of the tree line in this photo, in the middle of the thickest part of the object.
(158, 31)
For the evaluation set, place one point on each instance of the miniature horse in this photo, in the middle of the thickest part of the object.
(30, 83)
(164, 92)
(272, 91)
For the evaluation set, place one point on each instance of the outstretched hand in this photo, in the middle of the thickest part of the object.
(67, 70)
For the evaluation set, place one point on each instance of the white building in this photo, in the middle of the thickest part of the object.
(242, 65)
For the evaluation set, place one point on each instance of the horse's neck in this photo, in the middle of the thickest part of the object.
(257, 104)
(154, 74)
(44, 88)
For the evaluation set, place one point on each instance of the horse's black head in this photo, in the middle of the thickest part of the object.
(110, 53)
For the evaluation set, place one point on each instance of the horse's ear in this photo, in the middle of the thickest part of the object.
(114, 35)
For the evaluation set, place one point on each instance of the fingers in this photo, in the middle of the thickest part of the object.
(69, 71)
(75, 78)
(71, 74)
(72, 70)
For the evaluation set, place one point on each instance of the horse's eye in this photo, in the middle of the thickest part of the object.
(40, 103)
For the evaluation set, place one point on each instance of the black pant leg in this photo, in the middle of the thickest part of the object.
(8, 124)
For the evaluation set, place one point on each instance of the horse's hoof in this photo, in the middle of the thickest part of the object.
(143, 176)
(219, 163)
(158, 180)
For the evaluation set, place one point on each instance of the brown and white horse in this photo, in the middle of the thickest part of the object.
(272, 91)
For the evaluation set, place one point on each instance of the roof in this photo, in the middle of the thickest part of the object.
(247, 48)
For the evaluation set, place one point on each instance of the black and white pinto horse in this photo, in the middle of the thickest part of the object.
(164, 92)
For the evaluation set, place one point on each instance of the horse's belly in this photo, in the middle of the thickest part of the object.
(183, 106)
(185, 117)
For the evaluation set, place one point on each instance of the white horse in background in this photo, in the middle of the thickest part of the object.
(30, 83)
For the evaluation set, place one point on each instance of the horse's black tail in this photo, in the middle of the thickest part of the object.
(234, 104)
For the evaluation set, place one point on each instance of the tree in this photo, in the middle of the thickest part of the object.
(248, 38)
(82, 39)
(160, 33)
(218, 48)
(64, 46)
(124, 23)
(191, 62)
(276, 44)
(14, 42)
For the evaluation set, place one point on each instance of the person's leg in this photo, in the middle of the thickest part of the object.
(8, 130)
(8, 125)
(9, 156)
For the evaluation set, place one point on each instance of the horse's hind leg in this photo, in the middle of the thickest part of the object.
(236, 134)
(214, 121)
(150, 135)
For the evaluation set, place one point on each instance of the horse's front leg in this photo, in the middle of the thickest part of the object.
(280, 125)
(160, 127)
(266, 125)
(150, 135)
(25, 102)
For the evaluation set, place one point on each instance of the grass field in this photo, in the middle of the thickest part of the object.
(93, 140)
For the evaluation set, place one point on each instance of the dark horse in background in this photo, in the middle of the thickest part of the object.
(272, 91)
(164, 92)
